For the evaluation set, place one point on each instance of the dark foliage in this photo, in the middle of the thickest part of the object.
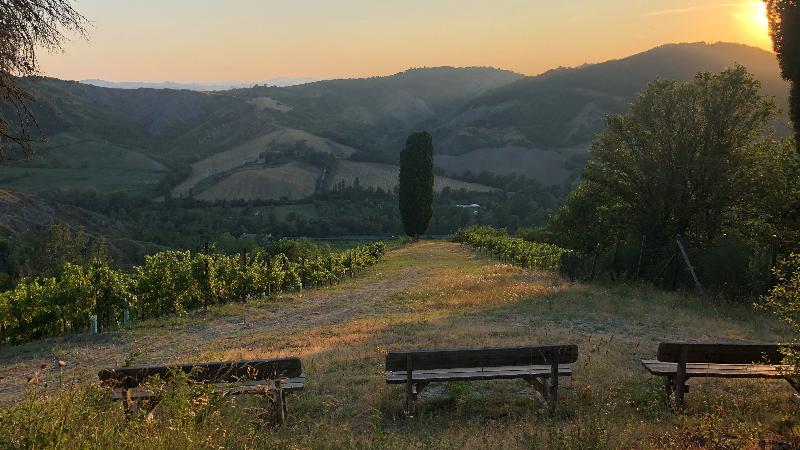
(687, 162)
(26, 26)
(416, 184)
(784, 22)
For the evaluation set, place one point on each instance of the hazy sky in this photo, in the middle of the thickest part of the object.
(253, 40)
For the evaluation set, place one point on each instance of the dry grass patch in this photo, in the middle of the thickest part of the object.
(434, 294)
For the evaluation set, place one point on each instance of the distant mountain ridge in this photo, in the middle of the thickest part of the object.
(286, 142)
(202, 87)
(563, 108)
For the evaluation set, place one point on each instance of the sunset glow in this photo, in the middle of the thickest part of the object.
(754, 17)
(252, 40)
(760, 17)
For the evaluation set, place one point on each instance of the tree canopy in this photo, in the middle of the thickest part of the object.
(784, 23)
(665, 167)
(416, 184)
(25, 27)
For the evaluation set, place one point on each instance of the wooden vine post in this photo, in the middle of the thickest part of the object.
(696, 280)
(206, 276)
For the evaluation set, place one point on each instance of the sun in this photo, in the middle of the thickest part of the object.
(754, 24)
(758, 15)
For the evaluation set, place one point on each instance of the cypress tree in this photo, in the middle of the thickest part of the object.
(784, 24)
(416, 184)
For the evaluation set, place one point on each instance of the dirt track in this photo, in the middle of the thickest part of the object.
(207, 334)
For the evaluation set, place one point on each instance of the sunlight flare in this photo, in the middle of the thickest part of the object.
(758, 16)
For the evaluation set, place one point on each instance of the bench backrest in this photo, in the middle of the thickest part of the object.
(481, 357)
(215, 372)
(721, 353)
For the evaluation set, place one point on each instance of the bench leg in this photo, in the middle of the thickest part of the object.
(132, 406)
(681, 378)
(281, 399)
(794, 384)
(542, 390)
(410, 398)
(129, 405)
(551, 390)
(681, 389)
(554, 374)
(669, 388)
(672, 389)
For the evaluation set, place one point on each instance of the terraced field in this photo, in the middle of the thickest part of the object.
(386, 177)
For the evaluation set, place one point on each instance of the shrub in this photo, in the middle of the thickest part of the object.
(513, 250)
(784, 301)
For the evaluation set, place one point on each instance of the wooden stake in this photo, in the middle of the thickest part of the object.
(641, 256)
(689, 265)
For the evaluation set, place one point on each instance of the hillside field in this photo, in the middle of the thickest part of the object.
(387, 177)
(425, 295)
(205, 145)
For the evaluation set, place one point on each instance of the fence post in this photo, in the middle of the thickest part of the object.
(641, 255)
(689, 265)
(350, 264)
(269, 275)
(205, 276)
(614, 269)
(594, 264)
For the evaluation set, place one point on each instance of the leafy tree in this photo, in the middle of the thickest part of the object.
(58, 245)
(416, 184)
(784, 24)
(767, 209)
(26, 26)
(784, 301)
(664, 168)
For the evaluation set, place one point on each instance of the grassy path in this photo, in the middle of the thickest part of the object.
(435, 294)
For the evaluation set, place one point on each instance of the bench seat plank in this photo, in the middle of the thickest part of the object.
(249, 387)
(699, 370)
(224, 371)
(481, 357)
(475, 373)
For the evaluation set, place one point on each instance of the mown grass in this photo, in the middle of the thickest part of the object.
(425, 295)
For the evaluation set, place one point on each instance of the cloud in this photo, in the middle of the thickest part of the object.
(690, 9)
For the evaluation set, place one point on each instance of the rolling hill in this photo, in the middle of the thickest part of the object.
(554, 116)
(23, 215)
(287, 142)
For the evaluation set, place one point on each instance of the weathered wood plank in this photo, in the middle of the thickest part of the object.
(473, 374)
(250, 387)
(722, 353)
(700, 370)
(227, 371)
(482, 357)
(289, 384)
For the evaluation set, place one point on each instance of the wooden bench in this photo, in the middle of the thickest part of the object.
(679, 361)
(270, 378)
(541, 366)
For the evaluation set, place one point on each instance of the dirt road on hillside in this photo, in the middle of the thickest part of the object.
(202, 334)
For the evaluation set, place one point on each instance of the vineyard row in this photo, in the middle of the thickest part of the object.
(169, 282)
(512, 250)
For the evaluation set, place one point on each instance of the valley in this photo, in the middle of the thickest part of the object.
(216, 146)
